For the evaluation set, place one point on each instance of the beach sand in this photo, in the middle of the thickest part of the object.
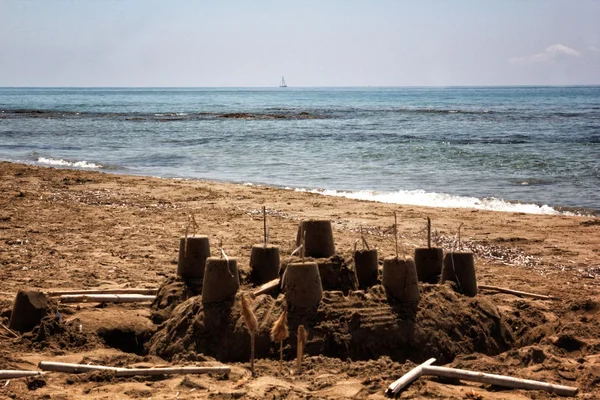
(67, 229)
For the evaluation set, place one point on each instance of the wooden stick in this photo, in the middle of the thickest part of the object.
(7, 329)
(266, 287)
(428, 233)
(302, 336)
(362, 236)
(105, 298)
(518, 292)
(252, 336)
(407, 378)
(303, 244)
(396, 233)
(57, 293)
(499, 380)
(79, 368)
(265, 224)
(11, 374)
(279, 333)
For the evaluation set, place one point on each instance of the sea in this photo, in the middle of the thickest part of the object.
(517, 149)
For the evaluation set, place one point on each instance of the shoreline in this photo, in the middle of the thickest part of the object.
(415, 197)
(73, 229)
(347, 214)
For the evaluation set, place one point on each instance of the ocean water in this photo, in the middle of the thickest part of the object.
(525, 149)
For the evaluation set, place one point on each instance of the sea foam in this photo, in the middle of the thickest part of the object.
(65, 163)
(432, 199)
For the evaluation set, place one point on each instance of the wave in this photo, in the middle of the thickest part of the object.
(65, 163)
(443, 200)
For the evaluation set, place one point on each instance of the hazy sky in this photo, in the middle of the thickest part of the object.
(312, 43)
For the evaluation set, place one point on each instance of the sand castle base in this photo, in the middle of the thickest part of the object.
(428, 262)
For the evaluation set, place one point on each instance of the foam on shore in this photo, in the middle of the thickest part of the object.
(66, 163)
(443, 200)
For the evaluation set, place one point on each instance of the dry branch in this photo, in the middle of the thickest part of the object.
(56, 293)
(7, 329)
(499, 380)
(407, 378)
(279, 333)
(518, 292)
(105, 298)
(428, 232)
(265, 226)
(266, 287)
(302, 337)
(79, 368)
(12, 374)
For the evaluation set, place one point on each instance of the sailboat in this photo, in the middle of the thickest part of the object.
(282, 84)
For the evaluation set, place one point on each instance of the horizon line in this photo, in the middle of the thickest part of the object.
(300, 87)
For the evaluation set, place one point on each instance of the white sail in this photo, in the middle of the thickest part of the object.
(282, 84)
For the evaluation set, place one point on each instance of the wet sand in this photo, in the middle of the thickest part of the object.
(66, 229)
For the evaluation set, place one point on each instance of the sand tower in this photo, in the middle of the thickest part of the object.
(29, 308)
(193, 252)
(264, 258)
(318, 238)
(303, 288)
(221, 279)
(400, 279)
(460, 268)
(367, 267)
(400, 275)
(429, 260)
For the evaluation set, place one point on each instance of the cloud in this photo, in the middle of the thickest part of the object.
(551, 54)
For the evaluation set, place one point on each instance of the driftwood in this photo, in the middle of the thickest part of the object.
(407, 378)
(105, 298)
(265, 288)
(7, 329)
(517, 292)
(79, 368)
(499, 380)
(12, 374)
(57, 293)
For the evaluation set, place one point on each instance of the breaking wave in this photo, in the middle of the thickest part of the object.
(65, 163)
(432, 199)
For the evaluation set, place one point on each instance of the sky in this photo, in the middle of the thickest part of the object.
(248, 43)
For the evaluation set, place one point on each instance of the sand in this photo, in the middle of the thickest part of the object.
(65, 229)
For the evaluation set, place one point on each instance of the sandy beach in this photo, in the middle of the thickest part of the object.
(69, 229)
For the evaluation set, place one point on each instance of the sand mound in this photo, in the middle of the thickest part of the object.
(52, 333)
(360, 326)
(171, 293)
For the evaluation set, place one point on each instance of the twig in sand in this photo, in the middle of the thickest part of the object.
(428, 232)
(396, 232)
(7, 329)
(15, 373)
(362, 236)
(279, 333)
(302, 337)
(194, 224)
(191, 221)
(265, 226)
(118, 371)
(251, 325)
(458, 247)
(303, 244)
(517, 292)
